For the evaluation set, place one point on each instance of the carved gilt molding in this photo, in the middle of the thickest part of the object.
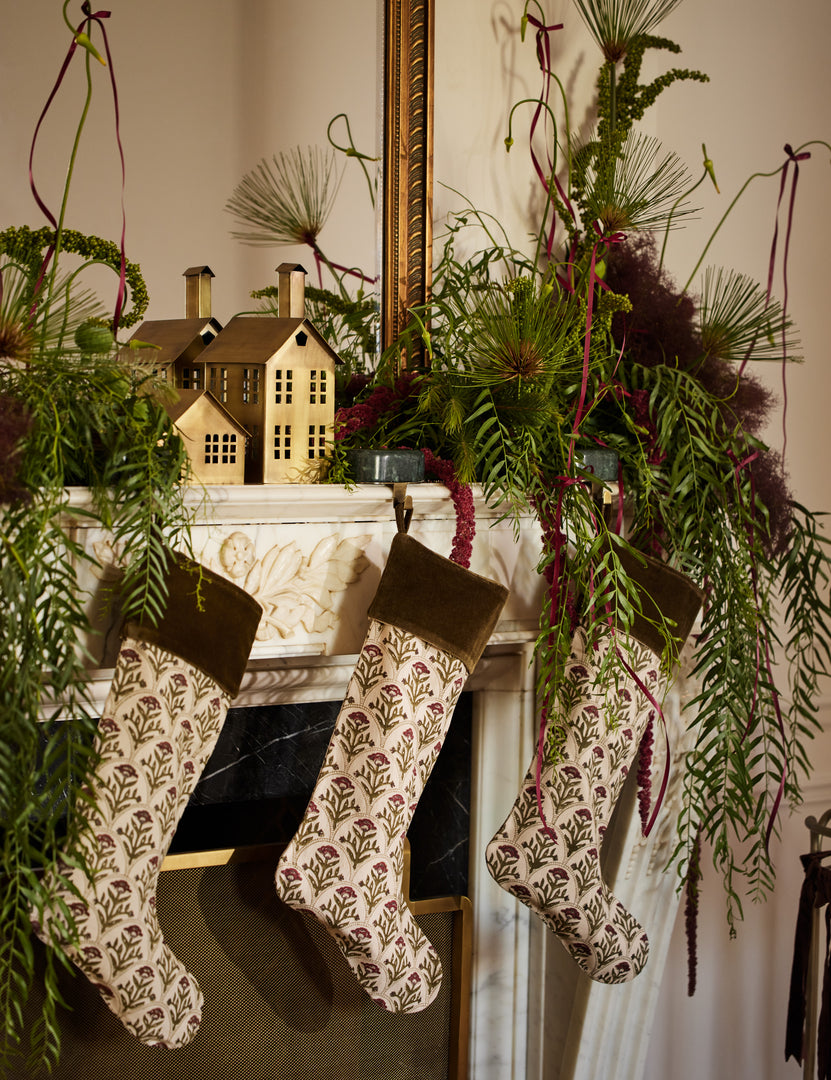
(408, 161)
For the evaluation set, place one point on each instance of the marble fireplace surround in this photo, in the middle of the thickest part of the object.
(312, 555)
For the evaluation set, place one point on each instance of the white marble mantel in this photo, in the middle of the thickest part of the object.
(312, 555)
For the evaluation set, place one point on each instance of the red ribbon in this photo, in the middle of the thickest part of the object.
(97, 17)
(543, 50)
(606, 241)
(793, 158)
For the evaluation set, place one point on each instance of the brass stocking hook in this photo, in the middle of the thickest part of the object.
(402, 505)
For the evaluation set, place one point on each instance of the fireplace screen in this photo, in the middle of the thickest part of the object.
(279, 998)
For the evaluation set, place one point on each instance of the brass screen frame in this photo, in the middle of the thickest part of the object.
(367, 1040)
(462, 951)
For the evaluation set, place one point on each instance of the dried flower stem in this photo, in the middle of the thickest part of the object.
(692, 891)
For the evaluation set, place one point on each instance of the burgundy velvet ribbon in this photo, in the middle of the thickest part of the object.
(605, 241)
(321, 261)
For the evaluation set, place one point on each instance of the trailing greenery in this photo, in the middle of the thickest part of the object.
(73, 413)
(535, 361)
(85, 423)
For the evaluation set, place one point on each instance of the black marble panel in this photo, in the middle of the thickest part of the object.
(440, 830)
(258, 781)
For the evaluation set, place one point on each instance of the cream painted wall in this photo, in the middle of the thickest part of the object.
(770, 85)
(206, 89)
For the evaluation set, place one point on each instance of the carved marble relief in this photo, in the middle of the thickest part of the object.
(297, 591)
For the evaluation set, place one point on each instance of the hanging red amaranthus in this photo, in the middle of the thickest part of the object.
(462, 498)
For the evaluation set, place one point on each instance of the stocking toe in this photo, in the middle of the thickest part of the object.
(614, 952)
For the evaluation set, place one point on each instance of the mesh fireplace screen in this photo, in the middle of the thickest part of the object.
(280, 1000)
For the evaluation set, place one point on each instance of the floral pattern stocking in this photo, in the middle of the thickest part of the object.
(161, 722)
(345, 862)
(554, 867)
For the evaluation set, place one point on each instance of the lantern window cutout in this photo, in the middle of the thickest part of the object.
(218, 383)
(317, 387)
(282, 387)
(251, 386)
(220, 449)
(317, 441)
(282, 441)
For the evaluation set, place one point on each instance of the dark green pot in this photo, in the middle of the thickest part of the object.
(386, 466)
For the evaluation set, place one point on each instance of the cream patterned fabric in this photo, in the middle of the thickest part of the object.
(344, 864)
(161, 722)
(554, 867)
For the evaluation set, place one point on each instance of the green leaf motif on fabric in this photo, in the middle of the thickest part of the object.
(606, 948)
(595, 913)
(338, 800)
(158, 765)
(167, 811)
(375, 885)
(448, 669)
(369, 670)
(403, 752)
(115, 904)
(527, 814)
(118, 789)
(355, 737)
(135, 989)
(341, 905)
(586, 729)
(537, 855)
(392, 815)
(401, 647)
(139, 725)
(360, 841)
(125, 950)
(137, 835)
(398, 962)
(375, 776)
(584, 871)
(577, 831)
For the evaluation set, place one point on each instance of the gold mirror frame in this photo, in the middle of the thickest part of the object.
(408, 162)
